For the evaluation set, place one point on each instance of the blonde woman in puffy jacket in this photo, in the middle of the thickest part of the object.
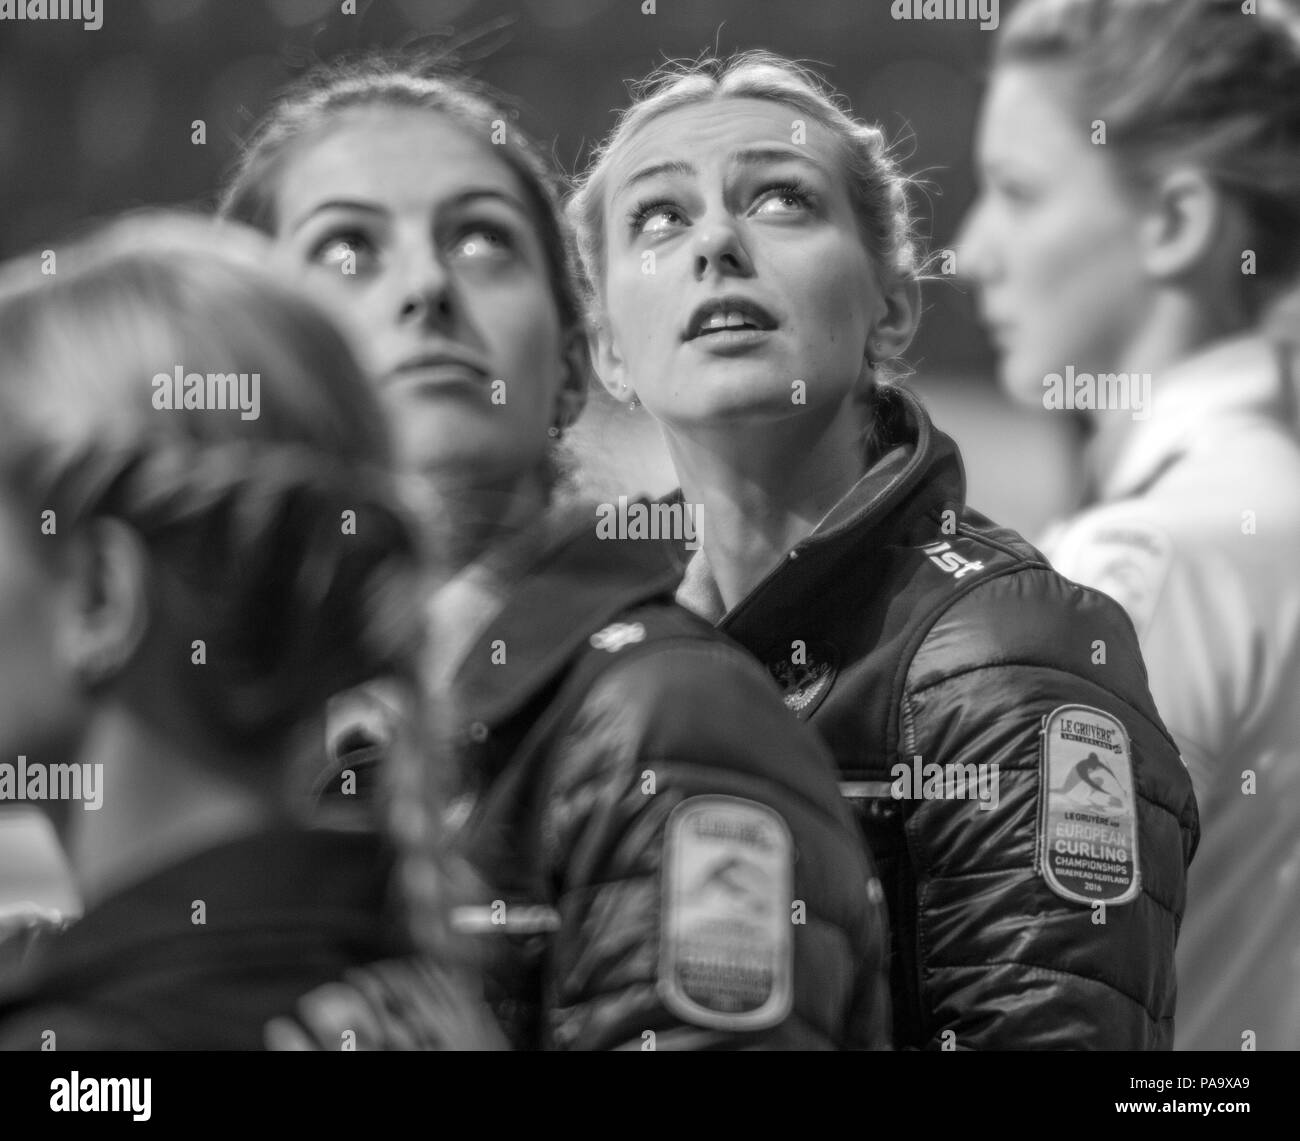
(753, 271)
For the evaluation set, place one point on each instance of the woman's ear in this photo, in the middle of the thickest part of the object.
(103, 614)
(1183, 218)
(609, 364)
(895, 327)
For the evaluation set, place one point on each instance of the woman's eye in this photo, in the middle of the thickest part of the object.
(656, 218)
(790, 199)
(482, 242)
(346, 251)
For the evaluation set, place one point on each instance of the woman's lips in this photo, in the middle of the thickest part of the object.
(732, 308)
(434, 376)
(727, 342)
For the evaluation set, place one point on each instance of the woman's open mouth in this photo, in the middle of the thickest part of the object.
(729, 323)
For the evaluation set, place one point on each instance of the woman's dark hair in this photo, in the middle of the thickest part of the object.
(308, 109)
(314, 104)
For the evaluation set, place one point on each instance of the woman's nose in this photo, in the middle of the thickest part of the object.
(718, 246)
(425, 292)
(971, 245)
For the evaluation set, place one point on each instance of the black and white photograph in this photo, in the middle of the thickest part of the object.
(731, 526)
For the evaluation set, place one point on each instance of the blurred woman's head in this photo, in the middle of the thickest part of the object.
(747, 244)
(1139, 162)
(212, 573)
(431, 224)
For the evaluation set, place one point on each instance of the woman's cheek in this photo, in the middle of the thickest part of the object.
(623, 295)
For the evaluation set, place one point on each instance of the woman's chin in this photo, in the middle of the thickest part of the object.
(759, 401)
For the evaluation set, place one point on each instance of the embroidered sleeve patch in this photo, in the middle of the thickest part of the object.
(727, 941)
(1087, 834)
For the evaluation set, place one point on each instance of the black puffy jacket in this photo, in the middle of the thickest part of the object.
(912, 632)
(669, 862)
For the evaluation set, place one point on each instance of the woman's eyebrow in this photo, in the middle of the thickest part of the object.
(753, 156)
(764, 156)
(335, 204)
(653, 171)
(466, 197)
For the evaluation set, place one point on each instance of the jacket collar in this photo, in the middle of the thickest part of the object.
(1245, 378)
(919, 471)
(577, 585)
(463, 608)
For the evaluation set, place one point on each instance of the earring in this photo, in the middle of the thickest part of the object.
(555, 431)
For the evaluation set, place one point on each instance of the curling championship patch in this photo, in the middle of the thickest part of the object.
(727, 941)
(1087, 835)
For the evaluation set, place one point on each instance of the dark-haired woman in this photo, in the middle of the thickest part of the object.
(668, 864)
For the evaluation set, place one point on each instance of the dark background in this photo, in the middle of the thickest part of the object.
(95, 121)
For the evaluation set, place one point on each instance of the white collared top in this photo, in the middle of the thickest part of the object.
(1196, 532)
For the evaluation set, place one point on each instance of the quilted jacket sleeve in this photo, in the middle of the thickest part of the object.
(698, 848)
(1003, 959)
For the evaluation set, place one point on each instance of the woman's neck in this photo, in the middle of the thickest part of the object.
(162, 800)
(764, 487)
(1177, 329)
(463, 519)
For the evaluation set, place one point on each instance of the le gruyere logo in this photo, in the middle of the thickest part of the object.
(1088, 835)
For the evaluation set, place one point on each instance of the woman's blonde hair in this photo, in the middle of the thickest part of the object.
(878, 188)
